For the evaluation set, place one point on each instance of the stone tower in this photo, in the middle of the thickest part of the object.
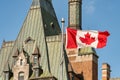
(84, 62)
(74, 13)
(106, 71)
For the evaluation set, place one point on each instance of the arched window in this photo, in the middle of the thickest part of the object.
(21, 76)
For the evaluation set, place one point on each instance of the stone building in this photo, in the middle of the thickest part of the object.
(36, 54)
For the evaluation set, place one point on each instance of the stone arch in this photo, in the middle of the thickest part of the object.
(21, 75)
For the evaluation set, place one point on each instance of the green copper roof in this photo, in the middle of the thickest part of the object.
(4, 54)
(48, 16)
(54, 50)
(40, 29)
(7, 68)
(86, 50)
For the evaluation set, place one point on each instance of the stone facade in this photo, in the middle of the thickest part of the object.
(86, 65)
(41, 58)
(21, 67)
(74, 19)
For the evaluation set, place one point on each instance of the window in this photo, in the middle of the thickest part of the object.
(21, 62)
(35, 59)
(52, 25)
(21, 76)
(14, 61)
(29, 40)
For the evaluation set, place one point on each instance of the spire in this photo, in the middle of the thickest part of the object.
(36, 3)
(74, 14)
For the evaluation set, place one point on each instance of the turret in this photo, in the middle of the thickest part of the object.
(84, 57)
(74, 14)
(36, 68)
(106, 71)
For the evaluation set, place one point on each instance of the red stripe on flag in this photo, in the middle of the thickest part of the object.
(102, 39)
(71, 38)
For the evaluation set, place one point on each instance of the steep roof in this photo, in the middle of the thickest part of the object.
(54, 50)
(4, 54)
(40, 29)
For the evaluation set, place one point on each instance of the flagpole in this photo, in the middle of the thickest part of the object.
(62, 35)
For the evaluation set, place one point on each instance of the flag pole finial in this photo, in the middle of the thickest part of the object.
(63, 20)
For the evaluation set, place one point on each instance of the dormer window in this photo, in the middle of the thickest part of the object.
(36, 56)
(52, 25)
(21, 62)
(35, 59)
(29, 40)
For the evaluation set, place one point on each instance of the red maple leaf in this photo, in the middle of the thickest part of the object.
(88, 39)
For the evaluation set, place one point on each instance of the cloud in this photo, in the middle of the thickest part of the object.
(89, 6)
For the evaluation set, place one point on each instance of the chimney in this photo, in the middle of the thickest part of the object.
(106, 71)
(74, 14)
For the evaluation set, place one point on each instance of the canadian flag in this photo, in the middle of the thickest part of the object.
(85, 38)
